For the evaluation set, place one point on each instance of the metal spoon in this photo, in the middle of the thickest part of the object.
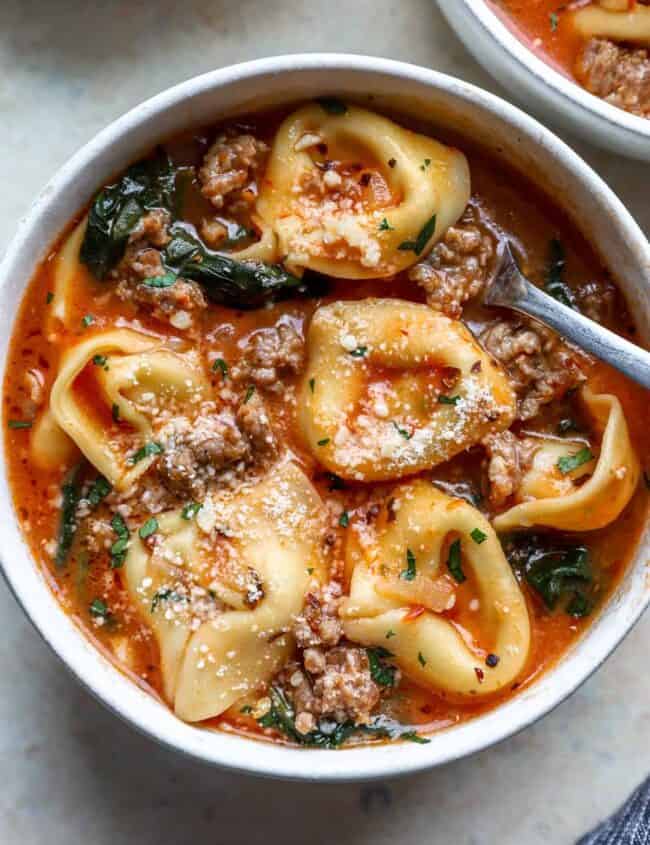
(511, 289)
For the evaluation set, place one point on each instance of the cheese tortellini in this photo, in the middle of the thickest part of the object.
(110, 388)
(352, 194)
(69, 274)
(401, 562)
(392, 388)
(565, 500)
(221, 589)
(614, 19)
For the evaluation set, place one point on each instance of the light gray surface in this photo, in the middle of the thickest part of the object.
(70, 772)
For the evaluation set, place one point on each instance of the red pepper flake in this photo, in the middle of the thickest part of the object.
(480, 674)
(392, 162)
(476, 367)
(365, 179)
(492, 660)
(415, 611)
(404, 332)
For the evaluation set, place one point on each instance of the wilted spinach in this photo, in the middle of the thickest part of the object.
(555, 284)
(330, 734)
(239, 284)
(71, 494)
(561, 574)
(118, 208)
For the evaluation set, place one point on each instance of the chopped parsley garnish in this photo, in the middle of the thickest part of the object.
(115, 412)
(150, 527)
(421, 659)
(99, 609)
(454, 562)
(221, 365)
(447, 400)
(385, 226)
(246, 709)
(71, 493)
(146, 451)
(249, 392)
(567, 463)
(344, 519)
(18, 424)
(120, 546)
(49, 297)
(164, 281)
(312, 384)
(413, 736)
(560, 574)
(381, 672)
(554, 21)
(332, 105)
(555, 285)
(100, 360)
(390, 634)
(410, 572)
(98, 490)
(403, 431)
(359, 352)
(418, 245)
(324, 441)
(478, 536)
(87, 320)
(190, 510)
(425, 164)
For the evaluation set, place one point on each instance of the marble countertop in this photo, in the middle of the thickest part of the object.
(71, 772)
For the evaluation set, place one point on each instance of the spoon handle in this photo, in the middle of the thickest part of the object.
(511, 289)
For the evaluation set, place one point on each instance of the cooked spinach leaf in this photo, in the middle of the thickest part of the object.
(330, 734)
(555, 284)
(560, 574)
(238, 284)
(118, 208)
(71, 493)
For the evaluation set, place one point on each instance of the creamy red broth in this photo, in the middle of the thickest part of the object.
(510, 207)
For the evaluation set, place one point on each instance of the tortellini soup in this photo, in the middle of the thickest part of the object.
(278, 459)
(603, 44)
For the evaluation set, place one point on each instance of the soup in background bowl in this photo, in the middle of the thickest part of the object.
(583, 66)
(285, 476)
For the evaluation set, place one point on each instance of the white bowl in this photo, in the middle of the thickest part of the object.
(506, 132)
(551, 95)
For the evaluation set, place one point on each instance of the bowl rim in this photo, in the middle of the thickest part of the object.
(574, 100)
(137, 707)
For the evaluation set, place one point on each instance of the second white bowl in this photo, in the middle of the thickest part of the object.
(551, 95)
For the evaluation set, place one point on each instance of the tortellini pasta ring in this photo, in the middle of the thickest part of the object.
(386, 346)
(423, 188)
(600, 499)
(276, 529)
(69, 273)
(428, 647)
(630, 25)
(130, 371)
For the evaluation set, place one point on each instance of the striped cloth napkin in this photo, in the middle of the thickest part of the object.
(629, 826)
